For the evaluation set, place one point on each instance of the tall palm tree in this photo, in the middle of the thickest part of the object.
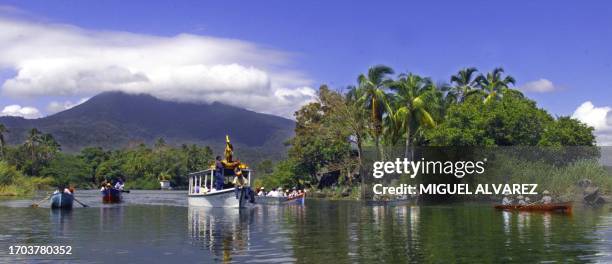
(464, 83)
(3, 130)
(494, 84)
(415, 100)
(373, 86)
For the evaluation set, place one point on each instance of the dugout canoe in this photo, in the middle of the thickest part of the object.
(555, 207)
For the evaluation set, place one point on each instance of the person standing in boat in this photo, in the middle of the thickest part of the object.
(218, 173)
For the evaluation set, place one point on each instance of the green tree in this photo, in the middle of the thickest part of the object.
(67, 169)
(415, 97)
(512, 120)
(566, 131)
(3, 130)
(373, 86)
(494, 84)
(463, 84)
(316, 143)
(93, 157)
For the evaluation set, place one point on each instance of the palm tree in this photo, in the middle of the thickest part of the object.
(494, 84)
(464, 83)
(415, 100)
(373, 96)
(2, 141)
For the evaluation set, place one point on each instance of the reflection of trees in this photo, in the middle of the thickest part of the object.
(351, 232)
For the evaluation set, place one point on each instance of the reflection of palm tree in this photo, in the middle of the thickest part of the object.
(493, 84)
(373, 86)
(2, 141)
(415, 98)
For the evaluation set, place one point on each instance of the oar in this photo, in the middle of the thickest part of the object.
(84, 205)
(38, 203)
(125, 191)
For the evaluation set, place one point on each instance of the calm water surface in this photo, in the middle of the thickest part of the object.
(159, 227)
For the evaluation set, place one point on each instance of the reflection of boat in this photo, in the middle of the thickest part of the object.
(62, 200)
(270, 200)
(111, 195)
(557, 207)
(222, 231)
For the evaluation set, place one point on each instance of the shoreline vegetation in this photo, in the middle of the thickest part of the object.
(383, 116)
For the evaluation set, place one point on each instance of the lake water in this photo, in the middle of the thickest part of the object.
(159, 227)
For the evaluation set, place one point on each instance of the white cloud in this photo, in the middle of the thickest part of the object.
(539, 86)
(17, 110)
(599, 118)
(56, 106)
(63, 60)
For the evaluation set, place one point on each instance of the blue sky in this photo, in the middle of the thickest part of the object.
(566, 45)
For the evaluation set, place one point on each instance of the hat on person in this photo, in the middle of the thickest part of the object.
(520, 197)
(545, 192)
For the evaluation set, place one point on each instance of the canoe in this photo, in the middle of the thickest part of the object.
(111, 196)
(62, 201)
(558, 207)
(273, 200)
(298, 199)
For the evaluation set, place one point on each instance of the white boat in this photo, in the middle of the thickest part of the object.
(201, 192)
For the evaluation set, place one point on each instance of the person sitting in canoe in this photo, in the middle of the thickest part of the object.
(521, 200)
(119, 184)
(63, 189)
(506, 200)
(546, 199)
(240, 183)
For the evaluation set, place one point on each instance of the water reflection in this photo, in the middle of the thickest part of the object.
(320, 232)
(61, 222)
(222, 231)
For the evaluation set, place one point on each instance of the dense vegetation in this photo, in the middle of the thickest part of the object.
(381, 113)
(39, 163)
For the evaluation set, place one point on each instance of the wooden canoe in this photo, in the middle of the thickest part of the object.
(554, 207)
(111, 195)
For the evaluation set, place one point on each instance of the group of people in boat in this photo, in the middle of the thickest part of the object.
(278, 192)
(114, 184)
(522, 200)
(66, 190)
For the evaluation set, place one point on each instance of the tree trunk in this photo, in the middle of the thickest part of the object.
(407, 153)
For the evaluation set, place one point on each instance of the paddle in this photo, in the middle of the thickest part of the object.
(82, 204)
(38, 203)
(125, 191)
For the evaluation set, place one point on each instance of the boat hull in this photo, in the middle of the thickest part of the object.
(62, 201)
(111, 196)
(557, 207)
(225, 198)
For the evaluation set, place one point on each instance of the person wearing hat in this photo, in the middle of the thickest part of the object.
(240, 183)
(521, 200)
(546, 199)
(262, 191)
